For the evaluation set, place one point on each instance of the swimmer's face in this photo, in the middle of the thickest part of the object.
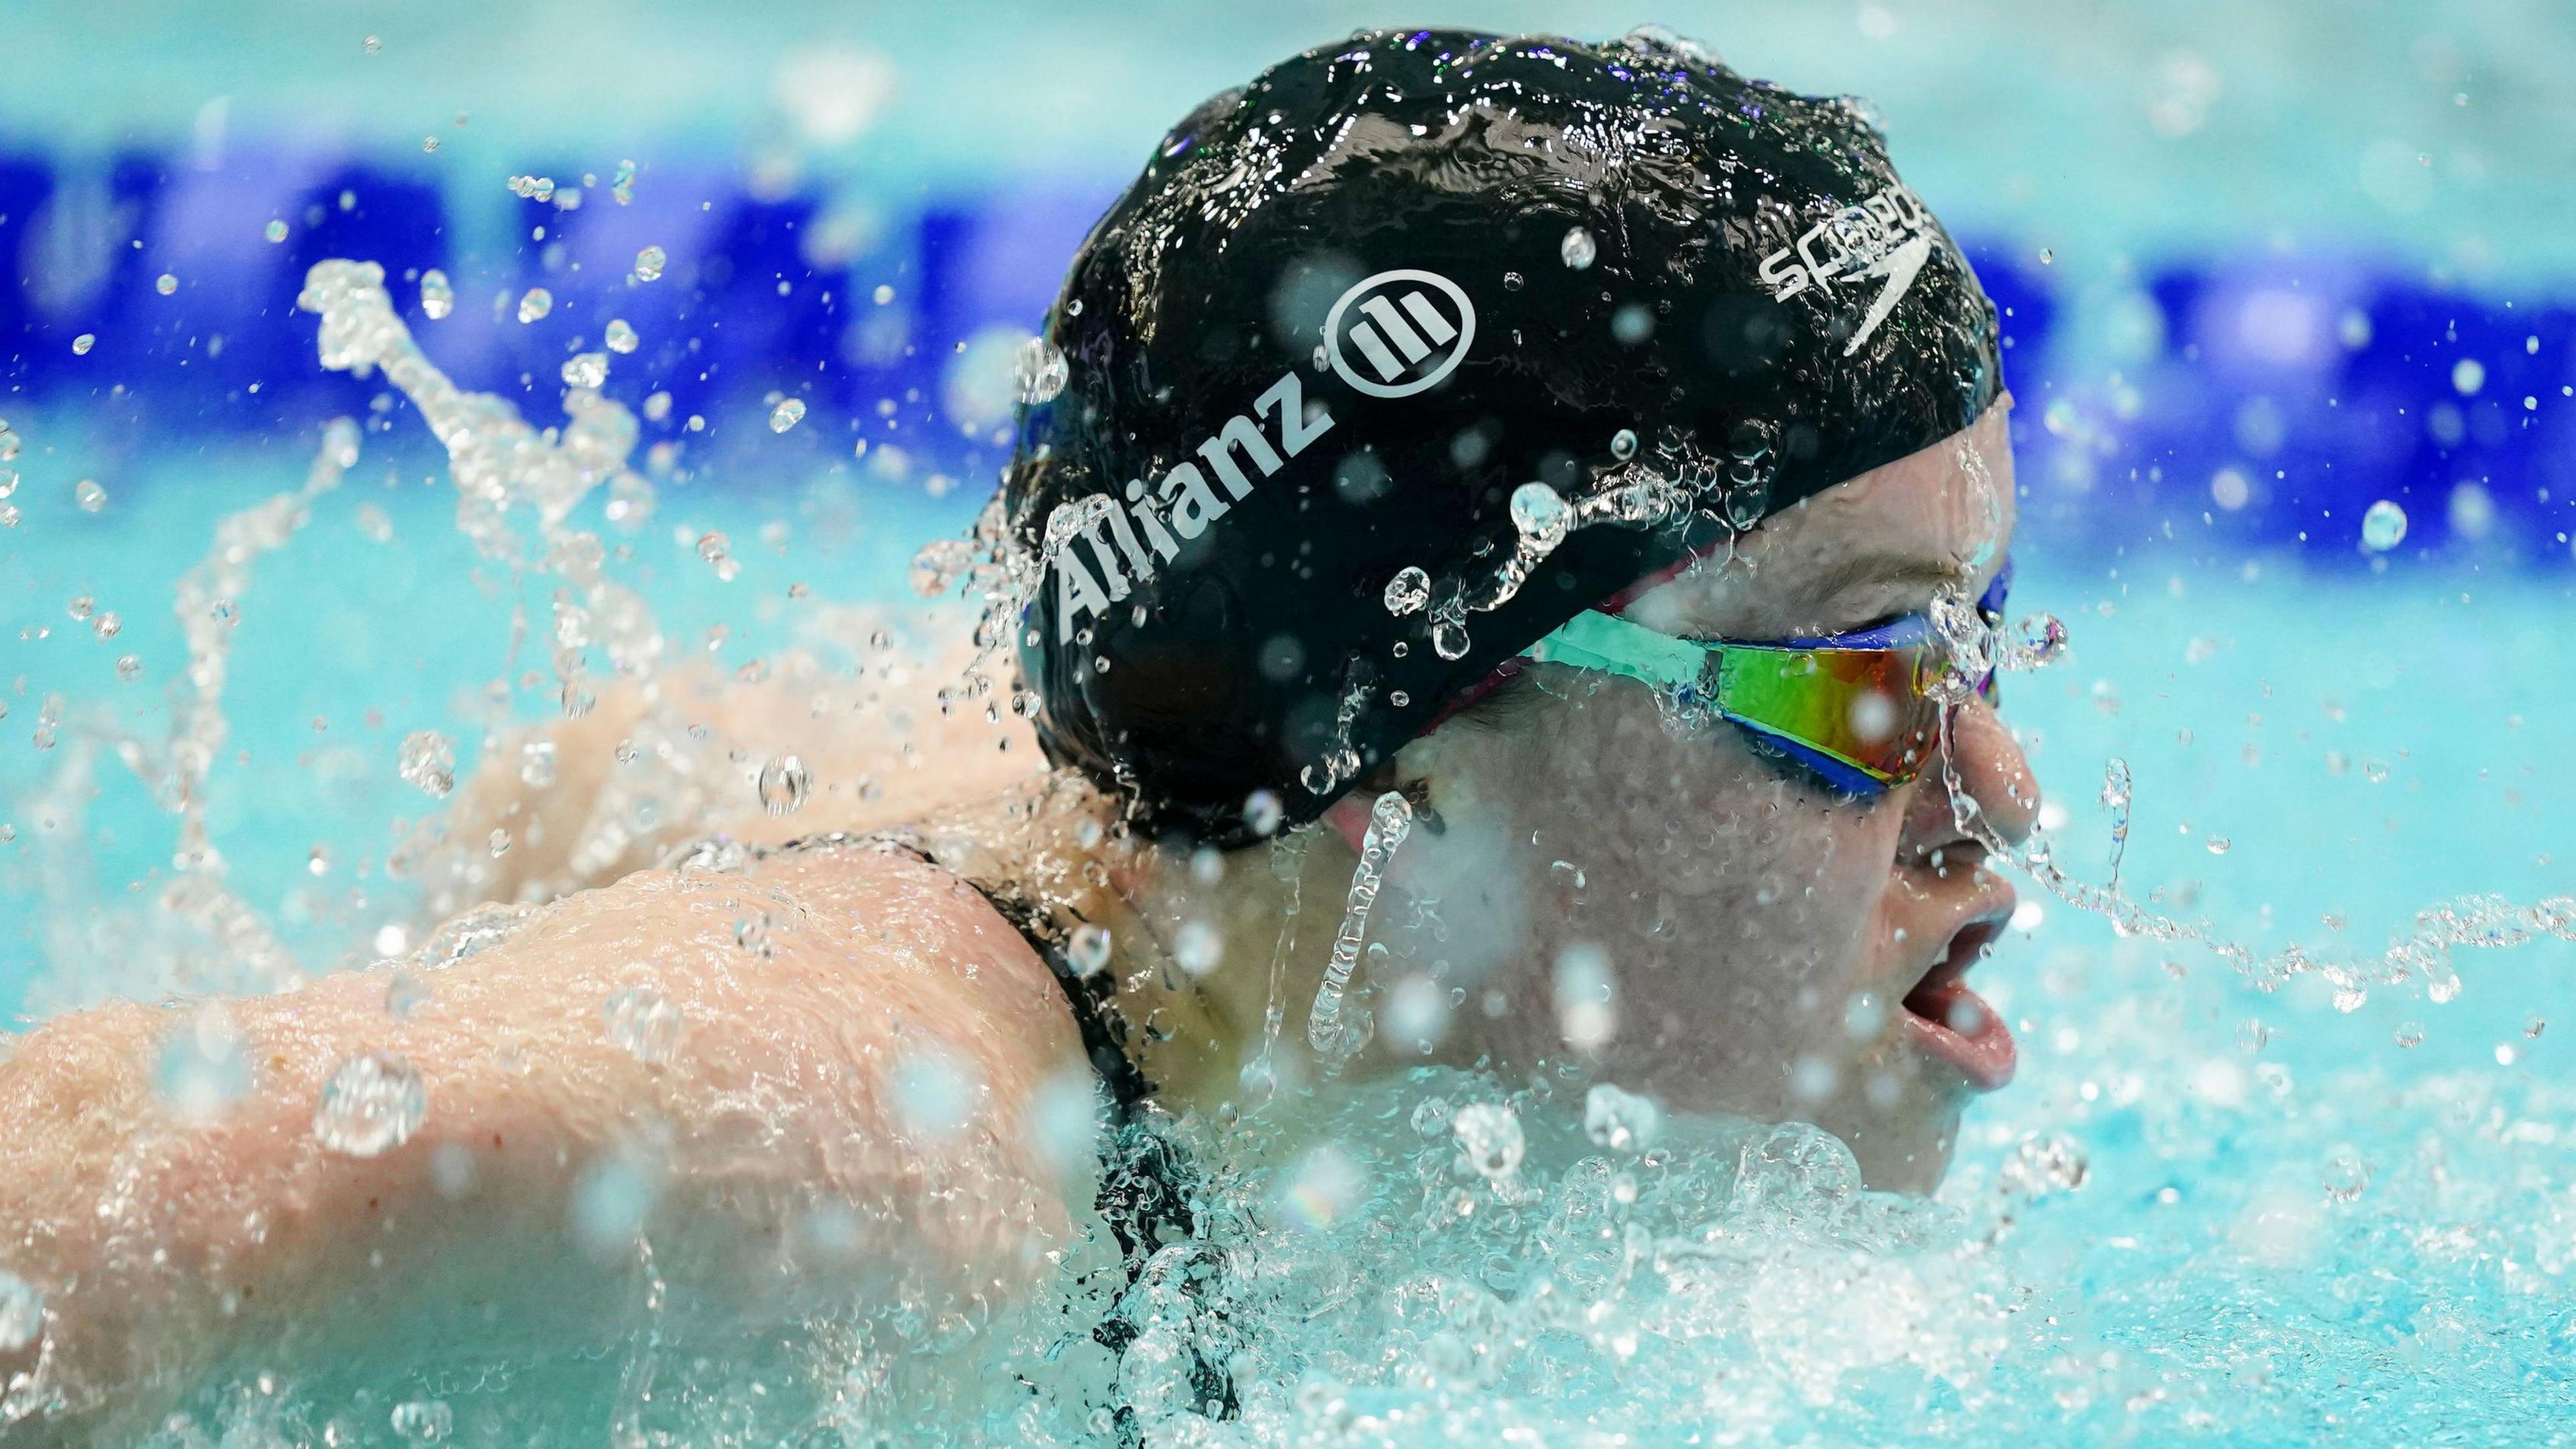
(1762, 933)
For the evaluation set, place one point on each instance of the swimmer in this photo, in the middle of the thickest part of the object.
(1580, 460)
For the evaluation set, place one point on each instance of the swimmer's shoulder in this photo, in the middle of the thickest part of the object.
(901, 918)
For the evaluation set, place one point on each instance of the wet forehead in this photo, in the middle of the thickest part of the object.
(1858, 552)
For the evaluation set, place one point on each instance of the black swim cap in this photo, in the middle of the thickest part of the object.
(1352, 309)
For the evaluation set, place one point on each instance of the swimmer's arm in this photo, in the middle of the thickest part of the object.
(772, 1147)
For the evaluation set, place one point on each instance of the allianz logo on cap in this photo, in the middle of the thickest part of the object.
(1408, 328)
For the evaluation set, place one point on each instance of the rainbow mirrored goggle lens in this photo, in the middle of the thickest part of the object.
(1857, 708)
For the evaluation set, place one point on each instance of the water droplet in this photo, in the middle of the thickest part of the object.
(1511, 281)
(621, 337)
(788, 413)
(437, 298)
(536, 304)
(1088, 949)
(165, 284)
(1490, 1135)
(129, 668)
(1620, 1120)
(1197, 947)
(2039, 1166)
(373, 1103)
(107, 625)
(717, 550)
(1449, 638)
(89, 495)
(2383, 527)
(2410, 1035)
(83, 343)
(644, 1024)
(424, 1421)
(1408, 591)
(2046, 256)
(622, 185)
(783, 785)
(2219, 844)
(1578, 249)
(586, 369)
(22, 1312)
(537, 764)
(1537, 510)
(2468, 375)
(939, 563)
(80, 608)
(428, 762)
(649, 264)
(2347, 1176)
(428, 144)
(1042, 371)
(534, 188)
(276, 231)
(1623, 444)
(1262, 812)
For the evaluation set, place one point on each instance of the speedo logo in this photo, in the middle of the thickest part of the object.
(1887, 236)
(1392, 335)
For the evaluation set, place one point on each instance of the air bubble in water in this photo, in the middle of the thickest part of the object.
(1623, 444)
(622, 185)
(783, 785)
(276, 231)
(83, 343)
(1490, 1136)
(536, 304)
(534, 188)
(106, 626)
(1408, 591)
(22, 1312)
(788, 413)
(89, 495)
(372, 1104)
(1578, 249)
(621, 337)
(649, 264)
(437, 298)
(1042, 371)
(2383, 527)
(165, 284)
(1537, 509)
(428, 762)
(586, 369)
(643, 1023)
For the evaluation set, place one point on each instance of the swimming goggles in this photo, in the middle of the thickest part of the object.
(1858, 709)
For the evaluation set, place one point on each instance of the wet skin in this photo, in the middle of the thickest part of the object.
(1762, 932)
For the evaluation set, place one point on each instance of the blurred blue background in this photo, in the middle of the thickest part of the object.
(2264, 262)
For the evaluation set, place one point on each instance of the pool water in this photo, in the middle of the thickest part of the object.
(2205, 1209)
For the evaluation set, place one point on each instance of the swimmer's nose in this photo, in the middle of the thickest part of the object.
(1992, 771)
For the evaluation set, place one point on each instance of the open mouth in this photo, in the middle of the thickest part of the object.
(1954, 1023)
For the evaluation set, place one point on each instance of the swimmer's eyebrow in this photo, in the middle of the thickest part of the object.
(1874, 569)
